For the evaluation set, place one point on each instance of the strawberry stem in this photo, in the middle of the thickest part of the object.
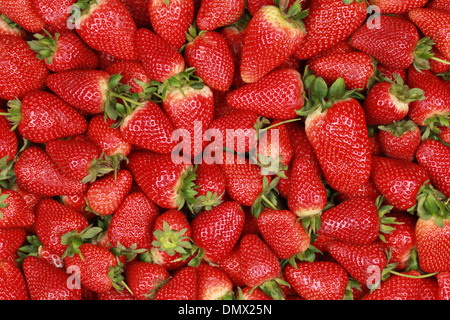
(422, 276)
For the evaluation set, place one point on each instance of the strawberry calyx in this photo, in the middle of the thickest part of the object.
(103, 165)
(385, 225)
(309, 255)
(74, 239)
(423, 53)
(185, 192)
(130, 253)
(399, 128)
(432, 126)
(83, 6)
(118, 280)
(207, 201)
(11, 24)
(402, 92)
(294, 14)
(172, 241)
(268, 198)
(272, 288)
(45, 46)
(14, 113)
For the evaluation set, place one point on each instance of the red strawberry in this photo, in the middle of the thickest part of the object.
(434, 24)
(443, 279)
(54, 13)
(400, 140)
(213, 283)
(9, 144)
(395, 98)
(10, 241)
(139, 11)
(23, 13)
(319, 280)
(171, 19)
(211, 186)
(260, 267)
(46, 282)
(63, 52)
(107, 26)
(328, 23)
(434, 157)
(19, 62)
(272, 35)
(144, 278)
(214, 14)
(159, 58)
(10, 28)
(131, 224)
(12, 282)
(283, 233)
(356, 68)
(391, 73)
(341, 146)
(130, 71)
(438, 5)
(398, 180)
(277, 95)
(230, 265)
(113, 294)
(105, 195)
(368, 190)
(171, 235)
(218, 230)
(14, 212)
(342, 47)
(398, 6)
(104, 133)
(182, 286)
(248, 293)
(208, 53)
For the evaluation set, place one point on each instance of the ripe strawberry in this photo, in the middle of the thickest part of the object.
(438, 5)
(208, 53)
(213, 283)
(319, 280)
(401, 242)
(159, 58)
(356, 68)
(130, 71)
(260, 267)
(171, 240)
(277, 95)
(218, 230)
(12, 282)
(171, 19)
(166, 183)
(46, 282)
(107, 26)
(182, 286)
(283, 233)
(10, 28)
(397, 6)
(144, 278)
(391, 73)
(214, 14)
(368, 190)
(434, 157)
(395, 97)
(105, 195)
(23, 13)
(400, 140)
(9, 144)
(10, 241)
(139, 11)
(54, 13)
(131, 224)
(211, 186)
(248, 293)
(113, 294)
(230, 265)
(63, 52)
(272, 35)
(443, 279)
(434, 24)
(398, 180)
(14, 212)
(19, 62)
(341, 146)
(104, 133)
(328, 23)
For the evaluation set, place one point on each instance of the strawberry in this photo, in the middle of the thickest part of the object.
(400, 140)
(213, 283)
(211, 186)
(19, 62)
(108, 138)
(443, 279)
(405, 286)
(272, 35)
(23, 13)
(395, 97)
(254, 5)
(12, 282)
(46, 282)
(434, 157)
(182, 286)
(158, 57)
(368, 190)
(208, 53)
(328, 23)
(171, 240)
(283, 233)
(356, 68)
(398, 180)
(10, 28)
(106, 26)
(10, 240)
(277, 95)
(248, 293)
(130, 71)
(144, 279)
(54, 13)
(14, 212)
(105, 195)
(434, 24)
(133, 221)
(139, 11)
(438, 5)
(9, 144)
(344, 157)
(168, 184)
(214, 14)
(319, 280)
(342, 47)
(218, 230)
(171, 19)
(63, 52)
(391, 73)
(230, 265)
(260, 267)
(397, 6)
(113, 294)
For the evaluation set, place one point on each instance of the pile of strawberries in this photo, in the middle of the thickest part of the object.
(211, 149)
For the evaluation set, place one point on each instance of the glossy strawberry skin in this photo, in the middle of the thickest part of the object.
(17, 214)
(23, 13)
(54, 13)
(213, 283)
(443, 279)
(9, 143)
(400, 147)
(10, 240)
(130, 70)
(214, 14)
(12, 282)
(144, 277)
(18, 62)
(183, 286)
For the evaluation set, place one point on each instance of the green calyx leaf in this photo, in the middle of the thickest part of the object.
(104, 165)
(31, 248)
(9, 22)
(431, 203)
(74, 239)
(423, 53)
(432, 126)
(273, 288)
(399, 128)
(14, 113)
(386, 223)
(172, 241)
(186, 192)
(129, 253)
(268, 198)
(83, 6)
(45, 46)
(402, 92)
(207, 202)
